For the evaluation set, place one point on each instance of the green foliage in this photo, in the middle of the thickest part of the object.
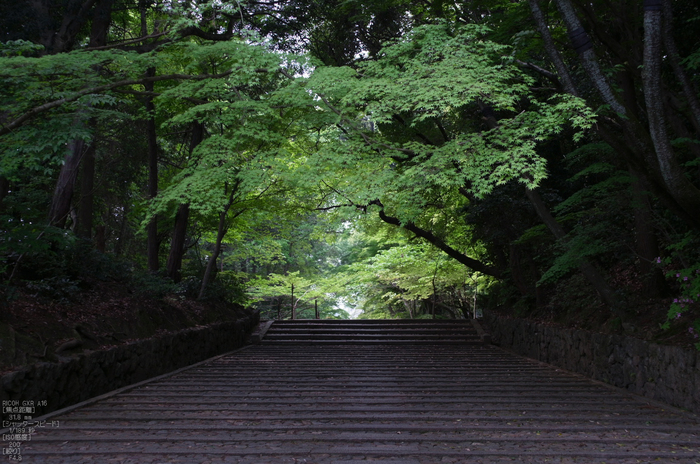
(19, 48)
(579, 247)
(684, 308)
(61, 289)
(402, 279)
(592, 212)
(284, 292)
(151, 285)
(229, 286)
(435, 121)
(429, 81)
(688, 281)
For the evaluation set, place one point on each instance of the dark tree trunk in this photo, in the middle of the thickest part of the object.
(153, 243)
(177, 245)
(221, 232)
(293, 305)
(679, 186)
(689, 93)
(75, 17)
(101, 238)
(119, 245)
(65, 185)
(562, 71)
(101, 20)
(4, 189)
(87, 187)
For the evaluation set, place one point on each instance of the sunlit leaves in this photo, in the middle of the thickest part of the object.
(414, 117)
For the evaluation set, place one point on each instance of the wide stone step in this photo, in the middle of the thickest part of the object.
(372, 332)
(606, 449)
(376, 321)
(344, 403)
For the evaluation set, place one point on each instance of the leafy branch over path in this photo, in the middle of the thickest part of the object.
(17, 122)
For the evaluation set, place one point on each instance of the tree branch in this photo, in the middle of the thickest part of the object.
(549, 75)
(7, 128)
(437, 242)
(128, 42)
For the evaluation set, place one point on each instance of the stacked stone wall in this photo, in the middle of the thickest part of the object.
(664, 373)
(88, 375)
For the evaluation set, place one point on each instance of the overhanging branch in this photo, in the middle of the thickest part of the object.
(10, 126)
(437, 242)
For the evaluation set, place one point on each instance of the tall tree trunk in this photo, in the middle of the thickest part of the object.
(4, 189)
(516, 273)
(691, 96)
(220, 234)
(143, 10)
(62, 41)
(211, 264)
(551, 49)
(177, 245)
(673, 175)
(101, 238)
(101, 20)
(581, 43)
(152, 241)
(121, 238)
(65, 185)
(650, 146)
(294, 306)
(87, 187)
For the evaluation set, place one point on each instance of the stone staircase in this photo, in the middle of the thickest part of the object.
(381, 332)
(326, 392)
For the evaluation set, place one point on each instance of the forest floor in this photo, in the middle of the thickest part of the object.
(105, 314)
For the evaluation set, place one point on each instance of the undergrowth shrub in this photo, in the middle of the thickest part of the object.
(229, 286)
(683, 269)
(151, 285)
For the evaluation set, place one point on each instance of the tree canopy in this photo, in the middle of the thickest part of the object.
(407, 159)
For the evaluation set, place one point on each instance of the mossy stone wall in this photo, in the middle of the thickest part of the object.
(85, 376)
(668, 374)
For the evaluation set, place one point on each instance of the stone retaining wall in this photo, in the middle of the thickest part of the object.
(88, 375)
(665, 373)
